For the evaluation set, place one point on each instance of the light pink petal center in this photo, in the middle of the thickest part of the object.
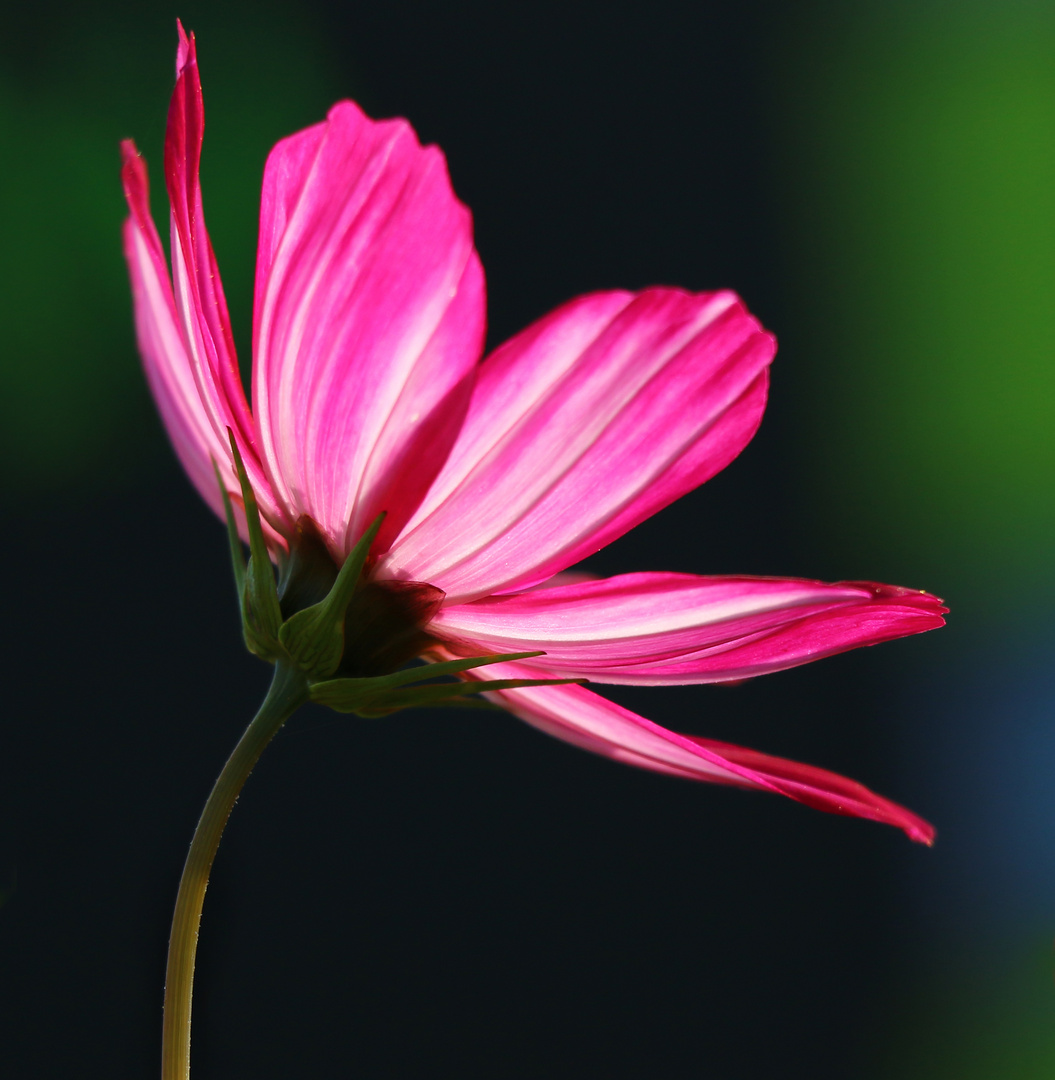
(579, 428)
(368, 324)
(680, 628)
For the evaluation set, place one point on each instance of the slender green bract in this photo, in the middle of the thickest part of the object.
(233, 539)
(385, 694)
(261, 614)
(314, 637)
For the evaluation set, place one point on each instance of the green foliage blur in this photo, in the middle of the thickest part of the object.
(72, 399)
(917, 184)
(919, 157)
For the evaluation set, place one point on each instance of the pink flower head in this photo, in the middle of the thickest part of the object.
(370, 395)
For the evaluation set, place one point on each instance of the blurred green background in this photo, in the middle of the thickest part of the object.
(72, 404)
(917, 214)
(878, 179)
(919, 147)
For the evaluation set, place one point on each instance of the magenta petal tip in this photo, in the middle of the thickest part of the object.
(185, 48)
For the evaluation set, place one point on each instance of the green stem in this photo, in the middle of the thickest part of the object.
(288, 692)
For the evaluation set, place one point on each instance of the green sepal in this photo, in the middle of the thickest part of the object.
(334, 692)
(261, 615)
(388, 693)
(233, 539)
(314, 636)
(456, 693)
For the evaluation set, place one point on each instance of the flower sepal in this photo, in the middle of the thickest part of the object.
(310, 637)
(313, 637)
(385, 694)
(255, 580)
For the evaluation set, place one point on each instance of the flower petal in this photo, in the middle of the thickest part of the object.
(369, 322)
(589, 721)
(582, 426)
(200, 303)
(680, 628)
(161, 345)
(165, 361)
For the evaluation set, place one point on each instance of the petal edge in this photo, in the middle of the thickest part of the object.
(585, 719)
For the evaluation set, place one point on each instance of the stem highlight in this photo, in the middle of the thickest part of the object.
(288, 691)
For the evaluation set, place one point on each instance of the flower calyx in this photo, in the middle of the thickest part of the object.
(311, 637)
(314, 636)
(351, 644)
(384, 694)
(255, 580)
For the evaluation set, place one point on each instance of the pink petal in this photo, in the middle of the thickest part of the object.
(165, 361)
(582, 426)
(369, 322)
(679, 628)
(200, 303)
(583, 718)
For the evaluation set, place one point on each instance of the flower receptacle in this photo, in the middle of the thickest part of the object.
(322, 622)
(314, 636)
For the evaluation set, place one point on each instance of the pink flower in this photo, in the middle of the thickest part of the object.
(369, 395)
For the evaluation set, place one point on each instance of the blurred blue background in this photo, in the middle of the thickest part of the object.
(447, 894)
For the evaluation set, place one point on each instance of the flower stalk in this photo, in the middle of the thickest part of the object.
(306, 650)
(288, 691)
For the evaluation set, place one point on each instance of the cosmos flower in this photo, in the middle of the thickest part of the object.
(494, 476)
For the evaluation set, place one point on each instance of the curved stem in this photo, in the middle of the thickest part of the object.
(288, 691)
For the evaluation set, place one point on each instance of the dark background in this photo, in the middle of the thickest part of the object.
(448, 894)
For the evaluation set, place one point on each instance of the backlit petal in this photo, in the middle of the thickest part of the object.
(200, 303)
(166, 363)
(587, 720)
(582, 426)
(165, 360)
(369, 322)
(680, 628)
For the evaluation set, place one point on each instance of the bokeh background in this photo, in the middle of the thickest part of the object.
(457, 895)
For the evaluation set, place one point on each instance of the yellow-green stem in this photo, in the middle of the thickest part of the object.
(287, 692)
